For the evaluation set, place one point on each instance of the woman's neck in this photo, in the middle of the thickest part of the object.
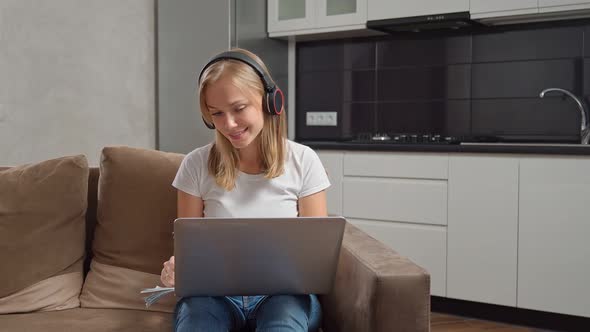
(250, 161)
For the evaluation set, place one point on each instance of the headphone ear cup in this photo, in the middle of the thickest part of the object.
(274, 101)
(278, 101)
(267, 103)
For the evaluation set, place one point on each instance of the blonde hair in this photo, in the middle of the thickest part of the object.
(224, 161)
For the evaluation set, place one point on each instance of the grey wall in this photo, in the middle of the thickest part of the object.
(189, 33)
(77, 75)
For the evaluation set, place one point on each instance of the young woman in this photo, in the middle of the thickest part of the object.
(251, 170)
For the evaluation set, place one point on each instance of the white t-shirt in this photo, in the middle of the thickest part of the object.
(254, 195)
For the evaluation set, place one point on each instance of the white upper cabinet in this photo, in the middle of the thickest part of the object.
(386, 9)
(333, 13)
(287, 15)
(546, 6)
(554, 226)
(496, 8)
(295, 17)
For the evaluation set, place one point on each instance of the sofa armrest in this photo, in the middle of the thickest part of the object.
(376, 289)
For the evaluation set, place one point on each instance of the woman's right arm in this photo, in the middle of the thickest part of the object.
(187, 206)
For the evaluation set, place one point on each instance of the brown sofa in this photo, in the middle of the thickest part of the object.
(77, 243)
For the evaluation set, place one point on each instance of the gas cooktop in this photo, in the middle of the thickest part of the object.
(404, 138)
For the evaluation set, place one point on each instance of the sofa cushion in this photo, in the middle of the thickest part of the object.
(42, 230)
(89, 320)
(133, 235)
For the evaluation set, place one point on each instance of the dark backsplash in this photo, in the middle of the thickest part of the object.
(480, 84)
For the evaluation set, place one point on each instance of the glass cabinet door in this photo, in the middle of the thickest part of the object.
(340, 7)
(341, 12)
(289, 15)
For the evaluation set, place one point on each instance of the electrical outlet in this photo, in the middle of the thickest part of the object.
(321, 119)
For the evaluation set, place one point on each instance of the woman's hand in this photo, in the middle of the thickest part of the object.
(167, 275)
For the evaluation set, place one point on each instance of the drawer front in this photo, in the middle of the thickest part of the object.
(425, 245)
(397, 165)
(405, 200)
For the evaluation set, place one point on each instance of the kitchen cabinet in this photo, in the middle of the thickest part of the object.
(401, 200)
(497, 8)
(482, 9)
(396, 165)
(387, 9)
(493, 228)
(423, 244)
(333, 13)
(482, 229)
(332, 161)
(553, 231)
(403, 187)
(398, 198)
(290, 15)
(546, 6)
(299, 17)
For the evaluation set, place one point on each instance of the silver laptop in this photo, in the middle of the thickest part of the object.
(256, 256)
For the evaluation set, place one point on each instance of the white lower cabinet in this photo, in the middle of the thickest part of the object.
(401, 165)
(402, 200)
(482, 229)
(554, 235)
(423, 244)
(395, 186)
(511, 230)
(332, 161)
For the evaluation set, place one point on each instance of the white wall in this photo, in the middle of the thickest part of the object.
(75, 76)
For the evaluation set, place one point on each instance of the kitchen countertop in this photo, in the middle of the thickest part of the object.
(519, 148)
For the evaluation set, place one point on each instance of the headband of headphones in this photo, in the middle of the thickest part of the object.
(231, 55)
(273, 98)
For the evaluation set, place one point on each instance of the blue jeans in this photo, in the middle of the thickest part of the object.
(279, 313)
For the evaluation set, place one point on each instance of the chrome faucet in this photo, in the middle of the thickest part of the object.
(584, 128)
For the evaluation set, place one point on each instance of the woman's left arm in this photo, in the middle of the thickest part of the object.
(313, 205)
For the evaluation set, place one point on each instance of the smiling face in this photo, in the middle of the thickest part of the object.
(236, 113)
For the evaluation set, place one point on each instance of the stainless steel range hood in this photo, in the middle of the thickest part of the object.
(449, 21)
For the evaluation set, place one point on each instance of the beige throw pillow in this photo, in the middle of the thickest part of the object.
(42, 233)
(133, 235)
